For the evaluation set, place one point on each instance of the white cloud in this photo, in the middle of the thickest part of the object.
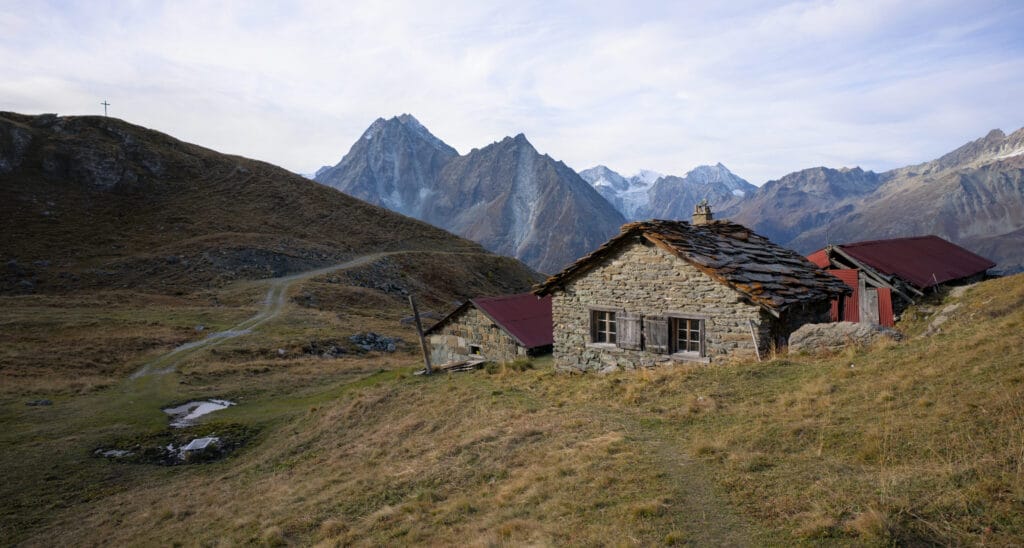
(765, 89)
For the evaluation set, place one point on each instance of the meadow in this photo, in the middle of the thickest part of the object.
(913, 442)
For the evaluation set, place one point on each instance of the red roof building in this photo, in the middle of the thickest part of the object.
(500, 329)
(904, 268)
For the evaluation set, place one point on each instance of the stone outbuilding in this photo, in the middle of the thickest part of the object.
(499, 329)
(671, 291)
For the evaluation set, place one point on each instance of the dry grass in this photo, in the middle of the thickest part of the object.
(918, 443)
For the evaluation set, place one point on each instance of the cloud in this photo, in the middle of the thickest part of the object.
(764, 88)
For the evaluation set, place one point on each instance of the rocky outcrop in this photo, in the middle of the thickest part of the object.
(817, 337)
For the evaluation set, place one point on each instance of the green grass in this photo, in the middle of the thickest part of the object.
(919, 442)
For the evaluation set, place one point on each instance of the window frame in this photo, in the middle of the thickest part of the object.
(674, 321)
(593, 314)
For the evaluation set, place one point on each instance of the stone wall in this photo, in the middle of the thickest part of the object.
(644, 279)
(472, 327)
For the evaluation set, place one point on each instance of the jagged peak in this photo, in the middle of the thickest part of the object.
(995, 134)
(407, 122)
(518, 140)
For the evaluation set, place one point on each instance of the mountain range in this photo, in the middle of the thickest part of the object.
(518, 202)
(506, 196)
(973, 196)
(649, 194)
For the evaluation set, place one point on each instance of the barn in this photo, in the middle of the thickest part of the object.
(888, 275)
(498, 329)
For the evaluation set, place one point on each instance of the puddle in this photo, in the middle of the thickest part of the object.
(187, 414)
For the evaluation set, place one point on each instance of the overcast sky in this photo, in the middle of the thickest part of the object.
(766, 88)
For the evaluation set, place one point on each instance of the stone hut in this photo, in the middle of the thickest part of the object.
(498, 329)
(671, 291)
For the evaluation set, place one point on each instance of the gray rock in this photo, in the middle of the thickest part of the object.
(832, 336)
(37, 403)
(324, 349)
(371, 341)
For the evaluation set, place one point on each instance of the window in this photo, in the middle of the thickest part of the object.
(603, 326)
(687, 336)
(474, 350)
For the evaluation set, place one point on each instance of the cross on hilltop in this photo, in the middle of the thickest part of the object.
(105, 105)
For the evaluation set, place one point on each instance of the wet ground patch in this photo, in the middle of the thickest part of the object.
(185, 445)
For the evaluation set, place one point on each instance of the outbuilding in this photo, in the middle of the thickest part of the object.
(886, 276)
(498, 329)
(672, 291)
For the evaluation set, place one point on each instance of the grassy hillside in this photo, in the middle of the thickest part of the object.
(91, 202)
(915, 442)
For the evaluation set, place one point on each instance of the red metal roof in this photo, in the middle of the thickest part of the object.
(526, 317)
(820, 258)
(922, 261)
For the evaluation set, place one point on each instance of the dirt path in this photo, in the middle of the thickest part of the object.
(273, 304)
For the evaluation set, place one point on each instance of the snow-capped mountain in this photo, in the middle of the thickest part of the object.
(649, 194)
(628, 196)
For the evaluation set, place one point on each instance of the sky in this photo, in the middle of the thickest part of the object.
(765, 88)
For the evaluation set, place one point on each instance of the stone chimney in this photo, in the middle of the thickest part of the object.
(702, 213)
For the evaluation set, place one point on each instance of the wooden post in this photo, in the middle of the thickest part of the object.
(419, 331)
(757, 349)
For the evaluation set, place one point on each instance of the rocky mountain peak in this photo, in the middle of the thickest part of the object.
(995, 145)
(404, 126)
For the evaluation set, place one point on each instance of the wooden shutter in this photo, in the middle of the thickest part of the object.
(628, 330)
(656, 334)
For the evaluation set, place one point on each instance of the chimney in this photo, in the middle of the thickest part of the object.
(702, 213)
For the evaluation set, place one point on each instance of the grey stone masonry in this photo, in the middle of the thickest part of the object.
(641, 280)
(472, 328)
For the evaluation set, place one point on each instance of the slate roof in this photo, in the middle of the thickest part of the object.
(732, 254)
(922, 261)
(525, 317)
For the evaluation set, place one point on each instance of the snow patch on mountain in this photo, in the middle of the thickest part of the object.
(649, 193)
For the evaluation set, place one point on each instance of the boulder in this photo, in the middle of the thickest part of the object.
(375, 342)
(832, 336)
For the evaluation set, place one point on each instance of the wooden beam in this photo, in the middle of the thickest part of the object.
(875, 275)
(419, 331)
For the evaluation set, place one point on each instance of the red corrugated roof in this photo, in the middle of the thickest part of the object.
(525, 316)
(923, 261)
